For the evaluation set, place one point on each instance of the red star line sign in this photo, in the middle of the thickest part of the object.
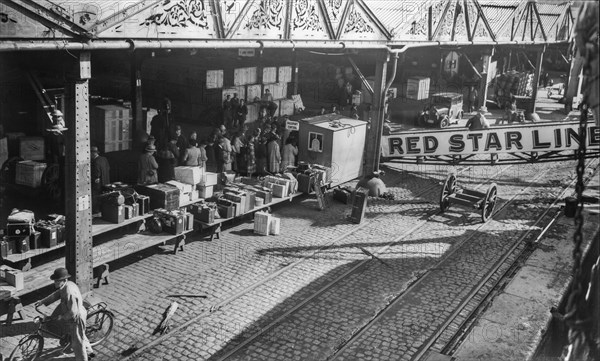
(540, 137)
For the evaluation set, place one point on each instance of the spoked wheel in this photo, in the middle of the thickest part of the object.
(29, 349)
(489, 203)
(51, 181)
(99, 325)
(448, 189)
(445, 122)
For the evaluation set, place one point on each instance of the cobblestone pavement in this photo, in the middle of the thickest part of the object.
(251, 280)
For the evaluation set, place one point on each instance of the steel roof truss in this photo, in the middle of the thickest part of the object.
(238, 21)
(327, 20)
(52, 15)
(374, 19)
(484, 19)
(122, 15)
(441, 21)
(345, 13)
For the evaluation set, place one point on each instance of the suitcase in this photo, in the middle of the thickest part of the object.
(19, 229)
(305, 182)
(161, 195)
(143, 203)
(49, 233)
(226, 211)
(359, 205)
(342, 195)
(21, 244)
(113, 213)
(172, 223)
(35, 240)
(5, 249)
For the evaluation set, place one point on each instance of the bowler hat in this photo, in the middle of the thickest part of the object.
(150, 148)
(94, 149)
(60, 274)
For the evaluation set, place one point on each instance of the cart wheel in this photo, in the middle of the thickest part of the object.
(489, 203)
(448, 189)
(51, 181)
(444, 123)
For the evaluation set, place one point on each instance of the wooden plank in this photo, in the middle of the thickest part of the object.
(39, 277)
(20, 257)
(100, 226)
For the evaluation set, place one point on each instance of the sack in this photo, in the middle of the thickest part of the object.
(154, 225)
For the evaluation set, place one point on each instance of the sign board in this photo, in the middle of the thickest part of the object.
(292, 125)
(246, 52)
(512, 139)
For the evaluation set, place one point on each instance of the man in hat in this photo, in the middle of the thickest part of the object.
(69, 317)
(100, 176)
(478, 121)
(147, 166)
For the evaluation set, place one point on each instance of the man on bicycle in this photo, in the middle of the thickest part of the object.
(69, 317)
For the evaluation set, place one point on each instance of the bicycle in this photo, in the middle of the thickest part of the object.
(99, 324)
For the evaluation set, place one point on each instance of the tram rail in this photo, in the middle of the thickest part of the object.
(340, 278)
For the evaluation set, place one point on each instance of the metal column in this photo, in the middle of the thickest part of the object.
(136, 94)
(378, 116)
(78, 232)
(536, 76)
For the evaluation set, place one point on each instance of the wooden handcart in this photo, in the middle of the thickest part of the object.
(484, 202)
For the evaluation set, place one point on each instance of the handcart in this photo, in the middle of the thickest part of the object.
(484, 202)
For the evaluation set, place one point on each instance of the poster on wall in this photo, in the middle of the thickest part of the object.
(315, 142)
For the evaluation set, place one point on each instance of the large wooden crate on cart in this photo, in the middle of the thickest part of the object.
(333, 141)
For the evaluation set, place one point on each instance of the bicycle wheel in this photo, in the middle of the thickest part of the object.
(99, 325)
(29, 348)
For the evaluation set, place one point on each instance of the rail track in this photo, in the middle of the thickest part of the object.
(500, 265)
(323, 247)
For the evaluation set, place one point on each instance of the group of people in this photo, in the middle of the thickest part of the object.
(265, 148)
(235, 111)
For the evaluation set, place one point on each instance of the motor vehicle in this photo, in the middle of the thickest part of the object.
(443, 109)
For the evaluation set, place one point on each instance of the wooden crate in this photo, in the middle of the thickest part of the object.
(253, 91)
(278, 90)
(214, 79)
(32, 148)
(244, 76)
(111, 127)
(286, 107)
(269, 75)
(29, 173)
(284, 74)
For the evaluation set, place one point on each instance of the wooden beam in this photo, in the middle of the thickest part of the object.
(539, 19)
(374, 19)
(467, 21)
(325, 15)
(471, 64)
(485, 20)
(289, 8)
(238, 21)
(345, 13)
(361, 76)
(119, 17)
(216, 9)
(47, 17)
(442, 18)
